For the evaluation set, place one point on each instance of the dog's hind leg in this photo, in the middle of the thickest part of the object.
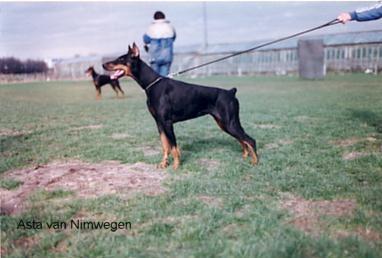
(248, 143)
(243, 145)
(115, 89)
(245, 150)
(227, 118)
(251, 146)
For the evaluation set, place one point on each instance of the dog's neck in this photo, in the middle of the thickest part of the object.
(144, 75)
(94, 74)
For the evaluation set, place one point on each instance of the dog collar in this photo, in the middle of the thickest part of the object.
(151, 84)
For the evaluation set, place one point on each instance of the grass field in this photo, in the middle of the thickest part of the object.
(317, 191)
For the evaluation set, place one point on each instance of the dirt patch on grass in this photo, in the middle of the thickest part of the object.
(150, 150)
(354, 155)
(119, 136)
(230, 229)
(352, 141)
(87, 127)
(85, 180)
(27, 242)
(370, 141)
(9, 132)
(209, 164)
(307, 213)
(242, 211)
(60, 248)
(267, 126)
(177, 220)
(365, 233)
(306, 119)
(346, 142)
(278, 144)
(306, 217)
(303, 118)
(211, 200)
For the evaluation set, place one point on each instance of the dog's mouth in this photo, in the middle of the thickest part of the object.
(118, 70)
(117, 74)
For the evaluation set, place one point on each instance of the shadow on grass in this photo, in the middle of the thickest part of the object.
(208, 145)
(18, 140)
(369, 117)
(10, 149)
(12, 141)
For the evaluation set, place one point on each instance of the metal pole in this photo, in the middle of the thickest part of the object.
(205, 25)
(205, 34)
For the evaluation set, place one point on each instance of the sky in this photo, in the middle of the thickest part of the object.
(44, 30)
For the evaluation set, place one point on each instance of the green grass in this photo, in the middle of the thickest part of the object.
(248, 220)
(9, 184)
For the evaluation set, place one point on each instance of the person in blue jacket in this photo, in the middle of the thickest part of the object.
(159, 40)
(366, 14)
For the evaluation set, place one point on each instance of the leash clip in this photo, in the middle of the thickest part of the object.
(172, 75)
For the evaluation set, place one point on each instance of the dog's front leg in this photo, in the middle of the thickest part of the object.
(169, 131)
(166, 150)
(176, 155)
(98, 96)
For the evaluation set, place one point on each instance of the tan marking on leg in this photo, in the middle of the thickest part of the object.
(176, 155)
(245, 150)
(252, 153)
(98, 96)
(166, 151)
(220, 124)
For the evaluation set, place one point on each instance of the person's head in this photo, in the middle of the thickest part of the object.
(159, 15)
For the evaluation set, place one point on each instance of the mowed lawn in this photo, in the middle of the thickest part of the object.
(317, 191)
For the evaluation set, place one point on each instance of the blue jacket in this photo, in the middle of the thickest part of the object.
(368, 14)
(161, 36)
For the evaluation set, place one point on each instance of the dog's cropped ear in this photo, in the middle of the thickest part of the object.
(130, 49)
(135, 50)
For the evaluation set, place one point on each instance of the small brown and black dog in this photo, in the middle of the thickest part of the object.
(100, 80)
(170, 101)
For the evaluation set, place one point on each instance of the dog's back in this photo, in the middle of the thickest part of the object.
(187, 101)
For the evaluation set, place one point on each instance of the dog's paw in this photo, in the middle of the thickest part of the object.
(255, 160)
(175, 165)
(163, 164)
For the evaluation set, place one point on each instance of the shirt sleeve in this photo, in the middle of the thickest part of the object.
(174, 35)
(146, 39)
(368, 14)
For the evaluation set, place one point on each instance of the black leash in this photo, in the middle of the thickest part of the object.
(333, 22)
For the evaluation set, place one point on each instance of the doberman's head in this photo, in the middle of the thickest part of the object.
(89, 71)
(124, 65)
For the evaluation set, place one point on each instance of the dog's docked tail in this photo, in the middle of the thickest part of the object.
(232, 91)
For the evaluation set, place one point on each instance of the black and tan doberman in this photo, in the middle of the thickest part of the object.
(100, 80)
(170, 101)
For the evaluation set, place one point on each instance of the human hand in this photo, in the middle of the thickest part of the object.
(344, 17)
